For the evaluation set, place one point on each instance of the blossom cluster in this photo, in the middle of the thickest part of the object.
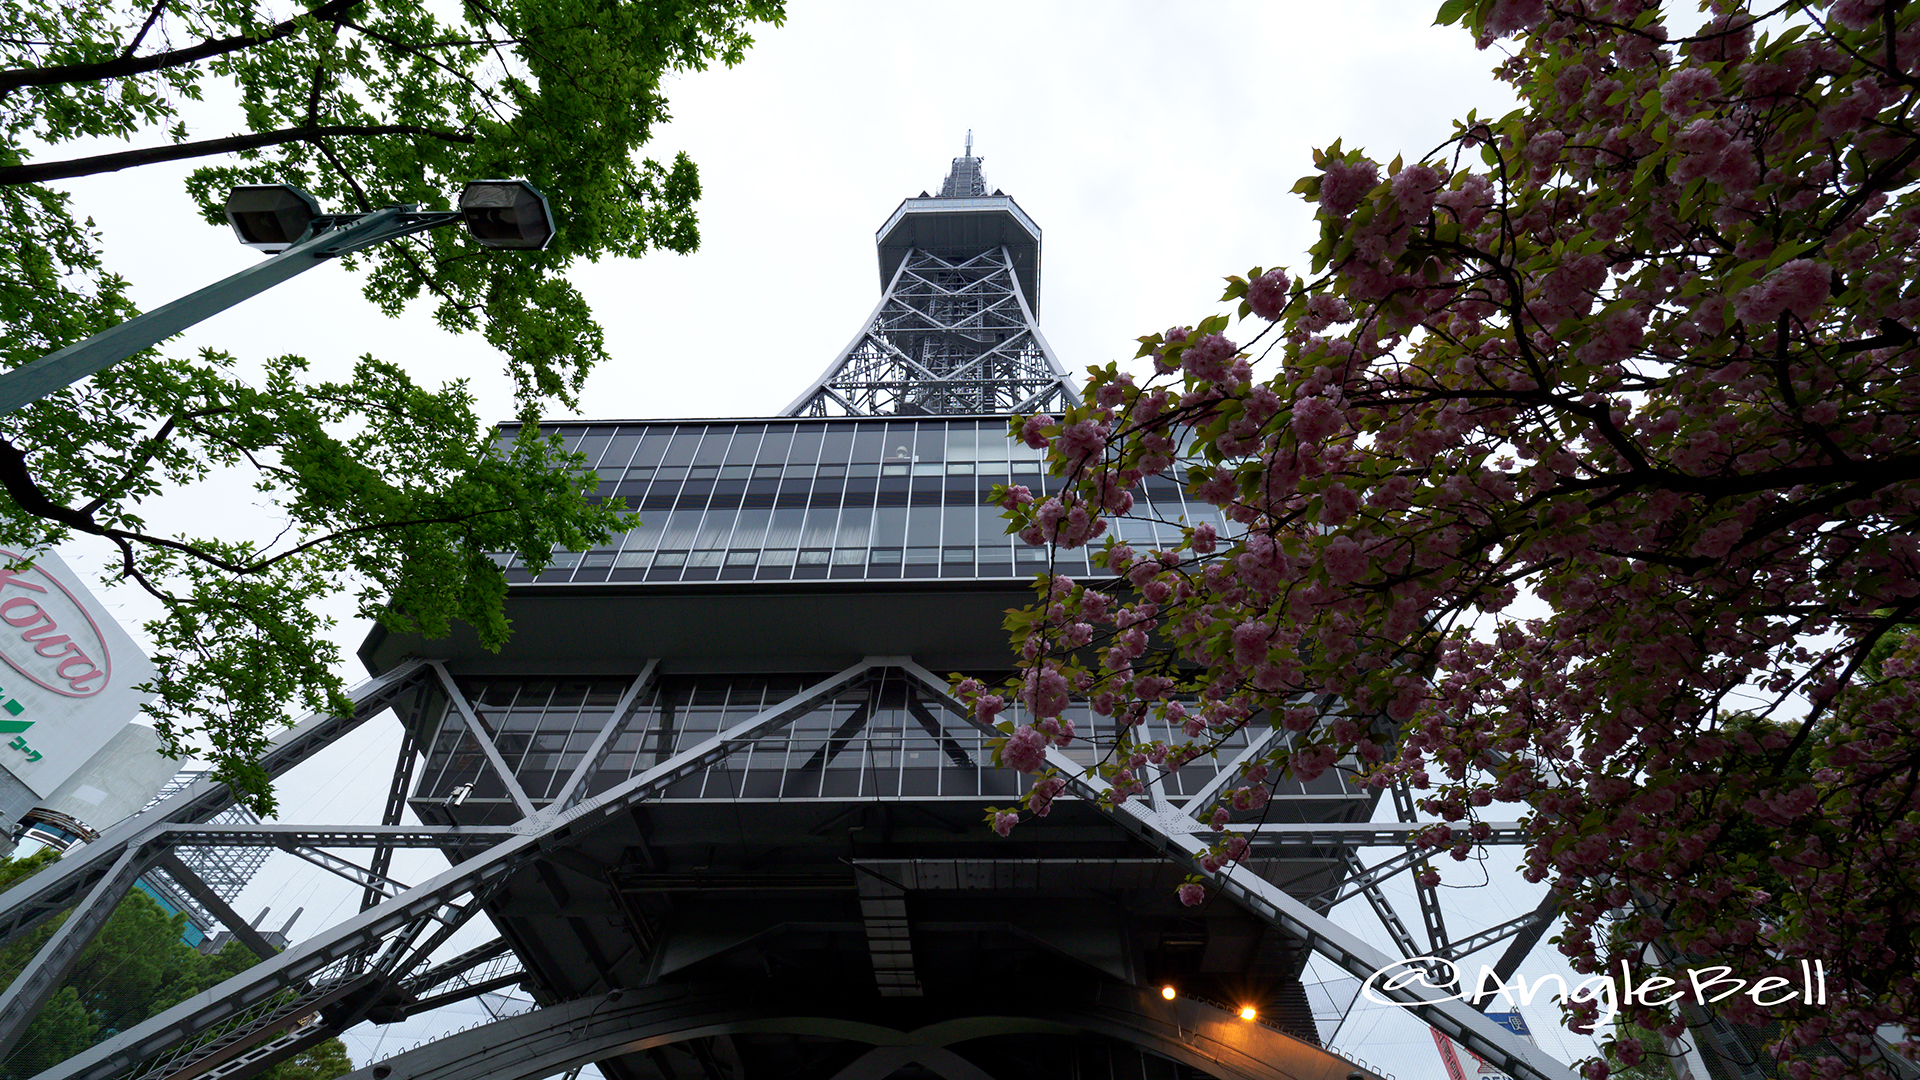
(1641, 354)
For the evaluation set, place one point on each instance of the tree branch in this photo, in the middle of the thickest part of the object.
(127, 159)
(125, 66)
(152, 18)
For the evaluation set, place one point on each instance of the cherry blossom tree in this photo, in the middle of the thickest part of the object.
(1580, 470)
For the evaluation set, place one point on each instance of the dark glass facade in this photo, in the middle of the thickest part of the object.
(776, 500)
(879, 741)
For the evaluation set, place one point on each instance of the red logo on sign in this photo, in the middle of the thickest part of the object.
(39, 621)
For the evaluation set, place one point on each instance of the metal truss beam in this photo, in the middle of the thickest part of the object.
(26, 904)
(1527, 936)
(332, 965)
(41, 977)
(1382, 909)
(379, 885)
(269, 834)
(392, 925)
(576, 787)
(484, 739)
(1531, 926)
(396, 801)
(1452, 1018)
(1260, 742)
(457, 966)
(1369, 877)
(184, 877)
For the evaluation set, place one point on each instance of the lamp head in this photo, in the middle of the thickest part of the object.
(270, 217)
(506, 214)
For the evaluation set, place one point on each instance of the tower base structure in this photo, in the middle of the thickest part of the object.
(727, 821)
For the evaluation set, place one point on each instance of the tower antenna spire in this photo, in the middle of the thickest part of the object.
(969, 142)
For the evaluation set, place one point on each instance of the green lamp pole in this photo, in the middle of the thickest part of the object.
(285, 221)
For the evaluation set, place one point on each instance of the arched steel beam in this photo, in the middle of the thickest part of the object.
(546, 1042)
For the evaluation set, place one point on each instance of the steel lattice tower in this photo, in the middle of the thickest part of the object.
(723, 816)
(956, 331)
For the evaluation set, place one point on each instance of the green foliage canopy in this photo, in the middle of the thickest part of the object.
(384, 486)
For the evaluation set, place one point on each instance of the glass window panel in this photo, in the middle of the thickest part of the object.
(746, 444)
(705, 558)
(886, 556)
(630, 559)
(930, 442)
(890, 526)
(713, 447)
(962, 443)
(751, 529)
(960, 525)
(822, 522)
(869, 442)
(774, 445)
(806, 445)
(670, 558)
(681, 528)
(777, 557)
(783, 531)
(715, 527)
(837, 444)
(814, 558)
(923, 525)
(736, 472)
(856, 525)
(742, 558)
(923, 556)
(849, 556)
(653, 446)
(897, 447)
(591, 447)
(994, 443)
(989, 528)
(620, 450)
(680, 451)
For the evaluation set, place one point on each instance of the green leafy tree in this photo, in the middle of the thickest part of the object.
(137, 965)
(384, 486)
(323, 1061)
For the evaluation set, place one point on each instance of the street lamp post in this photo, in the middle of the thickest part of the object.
(287, 222)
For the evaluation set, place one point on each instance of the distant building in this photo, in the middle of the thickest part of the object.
(71, 761)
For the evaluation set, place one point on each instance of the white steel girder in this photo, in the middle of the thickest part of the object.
(267, 1009)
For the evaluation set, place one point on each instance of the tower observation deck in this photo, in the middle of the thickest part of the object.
(956, 330)
(724, 816)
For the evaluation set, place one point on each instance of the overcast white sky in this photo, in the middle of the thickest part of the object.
(1154, 143)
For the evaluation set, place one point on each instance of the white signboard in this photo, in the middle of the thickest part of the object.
(67, 671)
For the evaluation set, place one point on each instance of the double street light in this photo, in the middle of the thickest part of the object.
(287, 223)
